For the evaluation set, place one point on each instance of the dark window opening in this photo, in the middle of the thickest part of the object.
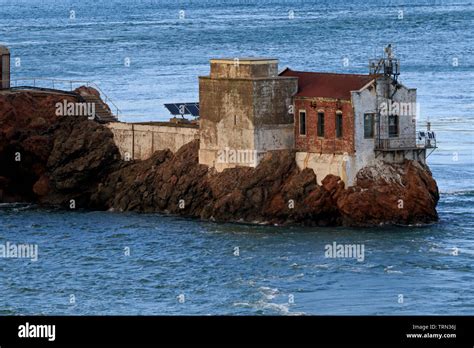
(393, 126)
(368, 126)
(320, 124)
(339, 125)
(302, 122)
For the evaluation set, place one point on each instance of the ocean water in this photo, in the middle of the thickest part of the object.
(146, 53)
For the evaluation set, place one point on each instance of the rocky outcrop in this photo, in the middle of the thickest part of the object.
(275, 192)
(76, 159)
(397, 193)
(82, 154)
(47, 158)
(25, 144)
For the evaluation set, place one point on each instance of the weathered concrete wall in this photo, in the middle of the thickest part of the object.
(366, 101)
(225, 105)
(273, 100)
(274, 137)
(325, 164)
(243, 68)
(140, 141)
(403, 100)
(245, 114)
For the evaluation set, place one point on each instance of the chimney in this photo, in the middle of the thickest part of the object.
(4, 67)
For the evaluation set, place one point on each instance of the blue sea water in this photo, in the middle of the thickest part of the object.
(279, 270)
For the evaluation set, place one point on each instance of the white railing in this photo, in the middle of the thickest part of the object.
(63, 85)
(423, 140)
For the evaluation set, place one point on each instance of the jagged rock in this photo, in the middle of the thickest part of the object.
(82, 155)
(25, 118)
(391, 193)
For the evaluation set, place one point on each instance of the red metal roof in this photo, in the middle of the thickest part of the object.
(327, 85)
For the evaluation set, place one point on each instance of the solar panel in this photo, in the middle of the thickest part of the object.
(183, 109)
(193, 108)
(172, 108)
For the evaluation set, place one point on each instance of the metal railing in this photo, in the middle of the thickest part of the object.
(404, 143)
(60, 85)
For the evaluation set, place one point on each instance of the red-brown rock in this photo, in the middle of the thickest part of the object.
(76, 158)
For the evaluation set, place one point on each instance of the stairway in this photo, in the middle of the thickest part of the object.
(103, 114)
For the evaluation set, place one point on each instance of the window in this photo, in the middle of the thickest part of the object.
(368, 126)
(393, 126)
(320, 124)
(303, 122)
(338, 125)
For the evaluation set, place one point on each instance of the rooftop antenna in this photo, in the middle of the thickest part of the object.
(388, 51)
(389, 66)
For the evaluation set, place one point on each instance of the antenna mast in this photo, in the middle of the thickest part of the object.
(389, 66)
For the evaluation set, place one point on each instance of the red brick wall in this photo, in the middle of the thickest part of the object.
(329, 144)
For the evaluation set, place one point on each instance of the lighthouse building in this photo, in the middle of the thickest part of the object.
(336, 123)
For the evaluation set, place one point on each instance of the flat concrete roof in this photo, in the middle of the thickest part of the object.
(251, 78)
(245, 60)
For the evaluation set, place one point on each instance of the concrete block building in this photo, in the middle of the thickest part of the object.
(245, 111)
